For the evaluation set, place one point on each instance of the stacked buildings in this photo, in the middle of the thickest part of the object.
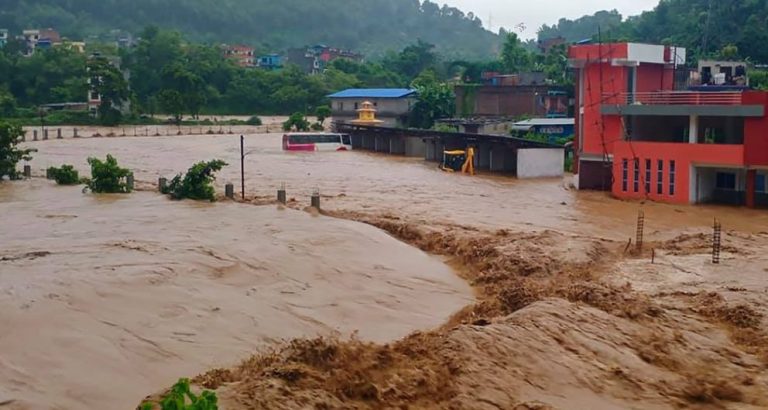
(645, 131)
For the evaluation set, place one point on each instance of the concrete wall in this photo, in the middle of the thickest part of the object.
(540, 162)
(415, 147)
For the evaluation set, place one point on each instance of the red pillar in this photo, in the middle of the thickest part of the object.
(751, 178)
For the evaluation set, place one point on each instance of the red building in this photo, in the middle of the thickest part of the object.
(643, 133)
(242, 55)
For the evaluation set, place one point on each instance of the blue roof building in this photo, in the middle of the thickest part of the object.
(393, 105)
(374, 93)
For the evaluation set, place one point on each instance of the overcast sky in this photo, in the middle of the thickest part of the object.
(533, 13)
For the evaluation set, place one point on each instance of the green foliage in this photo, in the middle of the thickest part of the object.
(708, 29)
(514, 57)
(172, 102)
(413, 60)
(196, 183)
(445, 128)
(296, 122)
(7, 104)
(107, 177)
(279, 25)
(436, 100)
(532, 136)
(759, 79)
(254, 120)
(181, 398)
(582, 28)
(323, 112)
(66, 175)
(68, 117)
(316, 126)
(109, 82)
(10, 137)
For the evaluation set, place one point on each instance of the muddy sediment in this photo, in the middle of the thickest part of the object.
(564, 315)
(549, 331)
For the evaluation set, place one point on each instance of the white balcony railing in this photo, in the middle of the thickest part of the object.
(675, 98)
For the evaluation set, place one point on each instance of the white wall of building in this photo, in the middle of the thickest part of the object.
(540, 162)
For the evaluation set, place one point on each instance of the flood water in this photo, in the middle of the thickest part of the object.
(104, 299)
(405, 187)
(107, 298)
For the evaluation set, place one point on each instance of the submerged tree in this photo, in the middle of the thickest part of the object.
(10, 137)
(196, 183)
(107, 177)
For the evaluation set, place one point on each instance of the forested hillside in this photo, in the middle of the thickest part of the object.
(705, 27)
(370, 26)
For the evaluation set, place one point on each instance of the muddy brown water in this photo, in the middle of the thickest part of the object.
(405, 187)
(108, 298)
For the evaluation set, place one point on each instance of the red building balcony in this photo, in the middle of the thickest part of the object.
(680, 98)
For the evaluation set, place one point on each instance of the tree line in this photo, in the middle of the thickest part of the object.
(734, 29)
(369, 26)
(169, 75)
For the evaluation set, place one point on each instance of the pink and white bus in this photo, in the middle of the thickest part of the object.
(316, 142)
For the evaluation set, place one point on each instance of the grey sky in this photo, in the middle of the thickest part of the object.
(510, 14)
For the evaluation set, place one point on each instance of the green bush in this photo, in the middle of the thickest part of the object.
(297, 122)
(107, 177)
(65, 117)
(66, 175)
(323, 112)
(10, 136)
(254, 120)
(317, 127)
(196, 184)
(179, 395)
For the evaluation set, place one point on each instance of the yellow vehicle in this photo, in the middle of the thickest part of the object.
(459, 161)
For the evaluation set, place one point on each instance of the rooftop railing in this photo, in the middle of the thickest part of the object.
(675, 98)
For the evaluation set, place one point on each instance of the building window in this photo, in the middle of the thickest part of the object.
(726, 181)
(760, 183)
(637, 175)
(648, 176)
(660, 178)
(624, 175)
(672, 166)
(356, 106)
(341, 106)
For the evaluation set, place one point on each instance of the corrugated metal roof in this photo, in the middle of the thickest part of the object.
(373, 93)
(546, 121)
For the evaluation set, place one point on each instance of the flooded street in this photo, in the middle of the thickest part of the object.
(406, 187)
(112, 298)
(104, 299)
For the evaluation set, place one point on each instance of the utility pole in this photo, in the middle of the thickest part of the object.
(242, 165)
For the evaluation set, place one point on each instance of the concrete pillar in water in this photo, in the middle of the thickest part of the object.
(315, 201)
(45, 134)
(58, 133)
(129, 182)
(162, 183)
(229, 191)
(27, 171)
(74, 132)
(34, 135)
(281, 195)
